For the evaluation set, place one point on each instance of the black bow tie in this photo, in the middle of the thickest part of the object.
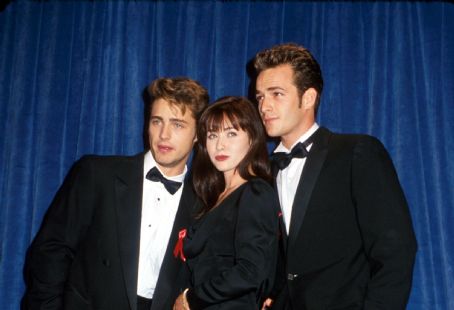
(282, 160)
(156, 176)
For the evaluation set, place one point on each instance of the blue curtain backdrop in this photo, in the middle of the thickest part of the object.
(72, 75)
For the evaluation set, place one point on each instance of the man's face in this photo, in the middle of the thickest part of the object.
(171, 135)
(280, 105)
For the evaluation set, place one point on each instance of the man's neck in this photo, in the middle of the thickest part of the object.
(171, 171)
(289, 140)
(168, 171)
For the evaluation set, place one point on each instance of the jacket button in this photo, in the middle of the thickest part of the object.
(106, 262)
(291, 277)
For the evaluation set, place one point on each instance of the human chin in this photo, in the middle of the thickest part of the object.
(220, 166)
(272, 131)
(171, 162)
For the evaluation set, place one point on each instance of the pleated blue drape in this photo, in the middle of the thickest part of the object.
(72, 76)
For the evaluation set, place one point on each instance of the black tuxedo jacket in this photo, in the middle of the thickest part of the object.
(351, 243)
(86, 254)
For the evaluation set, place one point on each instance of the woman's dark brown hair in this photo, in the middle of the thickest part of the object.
(243, 115)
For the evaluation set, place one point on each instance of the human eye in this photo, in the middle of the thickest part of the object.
(211, 135)
(278, 93)
(232, 133)
(178, 125)
(155, 121)
(259, 98)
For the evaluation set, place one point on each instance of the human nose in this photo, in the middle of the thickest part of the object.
(164, 134)
(220, 143)
(265, 105)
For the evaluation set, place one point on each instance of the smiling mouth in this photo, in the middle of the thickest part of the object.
(221, 157)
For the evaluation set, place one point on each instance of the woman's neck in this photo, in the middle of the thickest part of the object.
(232, 182)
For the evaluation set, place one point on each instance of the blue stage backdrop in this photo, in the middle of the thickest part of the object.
(72, 74)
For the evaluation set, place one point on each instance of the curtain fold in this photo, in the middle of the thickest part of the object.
(73, 73)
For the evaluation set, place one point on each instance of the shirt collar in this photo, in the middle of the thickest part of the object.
(307, 134)
(149, 162)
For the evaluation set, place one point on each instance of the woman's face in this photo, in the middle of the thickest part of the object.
(227, 147)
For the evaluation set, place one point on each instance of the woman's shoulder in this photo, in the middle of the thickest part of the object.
(259, 189)
(259, 197)
(259, 185)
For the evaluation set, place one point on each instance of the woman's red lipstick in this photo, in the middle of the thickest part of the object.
(221, 157)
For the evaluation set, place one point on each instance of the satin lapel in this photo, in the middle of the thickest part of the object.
(309, 176)
(171, 264)
(128, 191)
(283, 231)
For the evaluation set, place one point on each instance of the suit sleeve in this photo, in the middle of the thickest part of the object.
(385, 225)
(52, 251)
(280, 279)
(256, 243)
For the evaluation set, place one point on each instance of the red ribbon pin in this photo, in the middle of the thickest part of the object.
(179, 246)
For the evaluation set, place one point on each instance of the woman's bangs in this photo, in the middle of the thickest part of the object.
(220, 120)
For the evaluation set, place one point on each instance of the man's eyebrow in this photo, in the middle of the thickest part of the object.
(270, 89)
(178, 120)
(174, 119)
(275, 88)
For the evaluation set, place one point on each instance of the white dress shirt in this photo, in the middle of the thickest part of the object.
(159, 208)
(287, 180)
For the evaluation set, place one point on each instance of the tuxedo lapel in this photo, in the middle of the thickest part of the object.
(128, 200)
(309, 176)
(283, 231)
(170, 267)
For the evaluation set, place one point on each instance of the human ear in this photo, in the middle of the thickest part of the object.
(309, 98)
